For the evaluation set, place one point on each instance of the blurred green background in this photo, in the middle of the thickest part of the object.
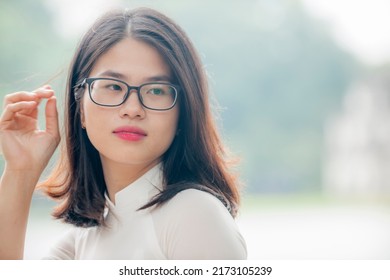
(278, 76)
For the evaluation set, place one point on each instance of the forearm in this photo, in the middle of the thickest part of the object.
(16, 190)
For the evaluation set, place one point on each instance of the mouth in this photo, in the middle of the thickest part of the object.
(130, 133)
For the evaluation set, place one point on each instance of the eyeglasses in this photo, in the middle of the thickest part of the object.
(159, 96)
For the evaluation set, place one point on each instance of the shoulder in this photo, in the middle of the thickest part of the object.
(195, 224)
(64, 248)
(198, 207)
(201, 200)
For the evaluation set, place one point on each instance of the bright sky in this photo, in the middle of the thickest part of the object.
(73, 17)
(359, 26)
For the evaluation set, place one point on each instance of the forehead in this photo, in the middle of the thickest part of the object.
(135, 60)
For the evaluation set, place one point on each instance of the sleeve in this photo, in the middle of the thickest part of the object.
(196, 225)
(64, 249)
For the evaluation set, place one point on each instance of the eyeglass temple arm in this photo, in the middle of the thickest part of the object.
(77, 87)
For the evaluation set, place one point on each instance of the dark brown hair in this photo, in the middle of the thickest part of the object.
(196, 157)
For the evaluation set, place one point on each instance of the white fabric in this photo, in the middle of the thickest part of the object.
(192, 225)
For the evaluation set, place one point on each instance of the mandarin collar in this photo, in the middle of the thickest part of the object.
(138, 193)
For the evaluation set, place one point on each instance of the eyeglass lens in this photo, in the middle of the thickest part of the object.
(157, 96)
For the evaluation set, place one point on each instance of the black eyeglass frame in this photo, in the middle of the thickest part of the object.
(89, 81)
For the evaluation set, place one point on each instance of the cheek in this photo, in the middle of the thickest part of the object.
(173, 122)
(92, 114)
(95, 120)
(166, 128)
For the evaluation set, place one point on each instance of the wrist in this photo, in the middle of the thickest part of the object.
(19, 171)
(24, 180)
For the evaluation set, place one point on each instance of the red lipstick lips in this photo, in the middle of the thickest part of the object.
(130, 133)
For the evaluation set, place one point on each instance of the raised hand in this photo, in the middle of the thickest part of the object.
(23, 144)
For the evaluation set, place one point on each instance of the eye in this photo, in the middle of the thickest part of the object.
(114, 87)
(156, 91)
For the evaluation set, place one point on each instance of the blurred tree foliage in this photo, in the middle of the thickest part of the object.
(275, 72)
(31, 52)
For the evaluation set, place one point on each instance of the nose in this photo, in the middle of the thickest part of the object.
(132, 107)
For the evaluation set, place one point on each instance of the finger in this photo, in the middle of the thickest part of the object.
(30, 112)
(11, 109)
(43, 93)
(36, 95)
(51, 112)
(47, 87)
(44, 89)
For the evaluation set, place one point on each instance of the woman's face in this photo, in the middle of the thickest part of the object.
(130, 134)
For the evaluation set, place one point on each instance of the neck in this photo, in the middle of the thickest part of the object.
(118, 175)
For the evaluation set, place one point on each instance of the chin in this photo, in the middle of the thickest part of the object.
(131, 159)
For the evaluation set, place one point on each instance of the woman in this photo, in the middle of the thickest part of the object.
(142, 174)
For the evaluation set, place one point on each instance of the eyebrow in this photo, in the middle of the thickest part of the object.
(120, 76)
(112, 74)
